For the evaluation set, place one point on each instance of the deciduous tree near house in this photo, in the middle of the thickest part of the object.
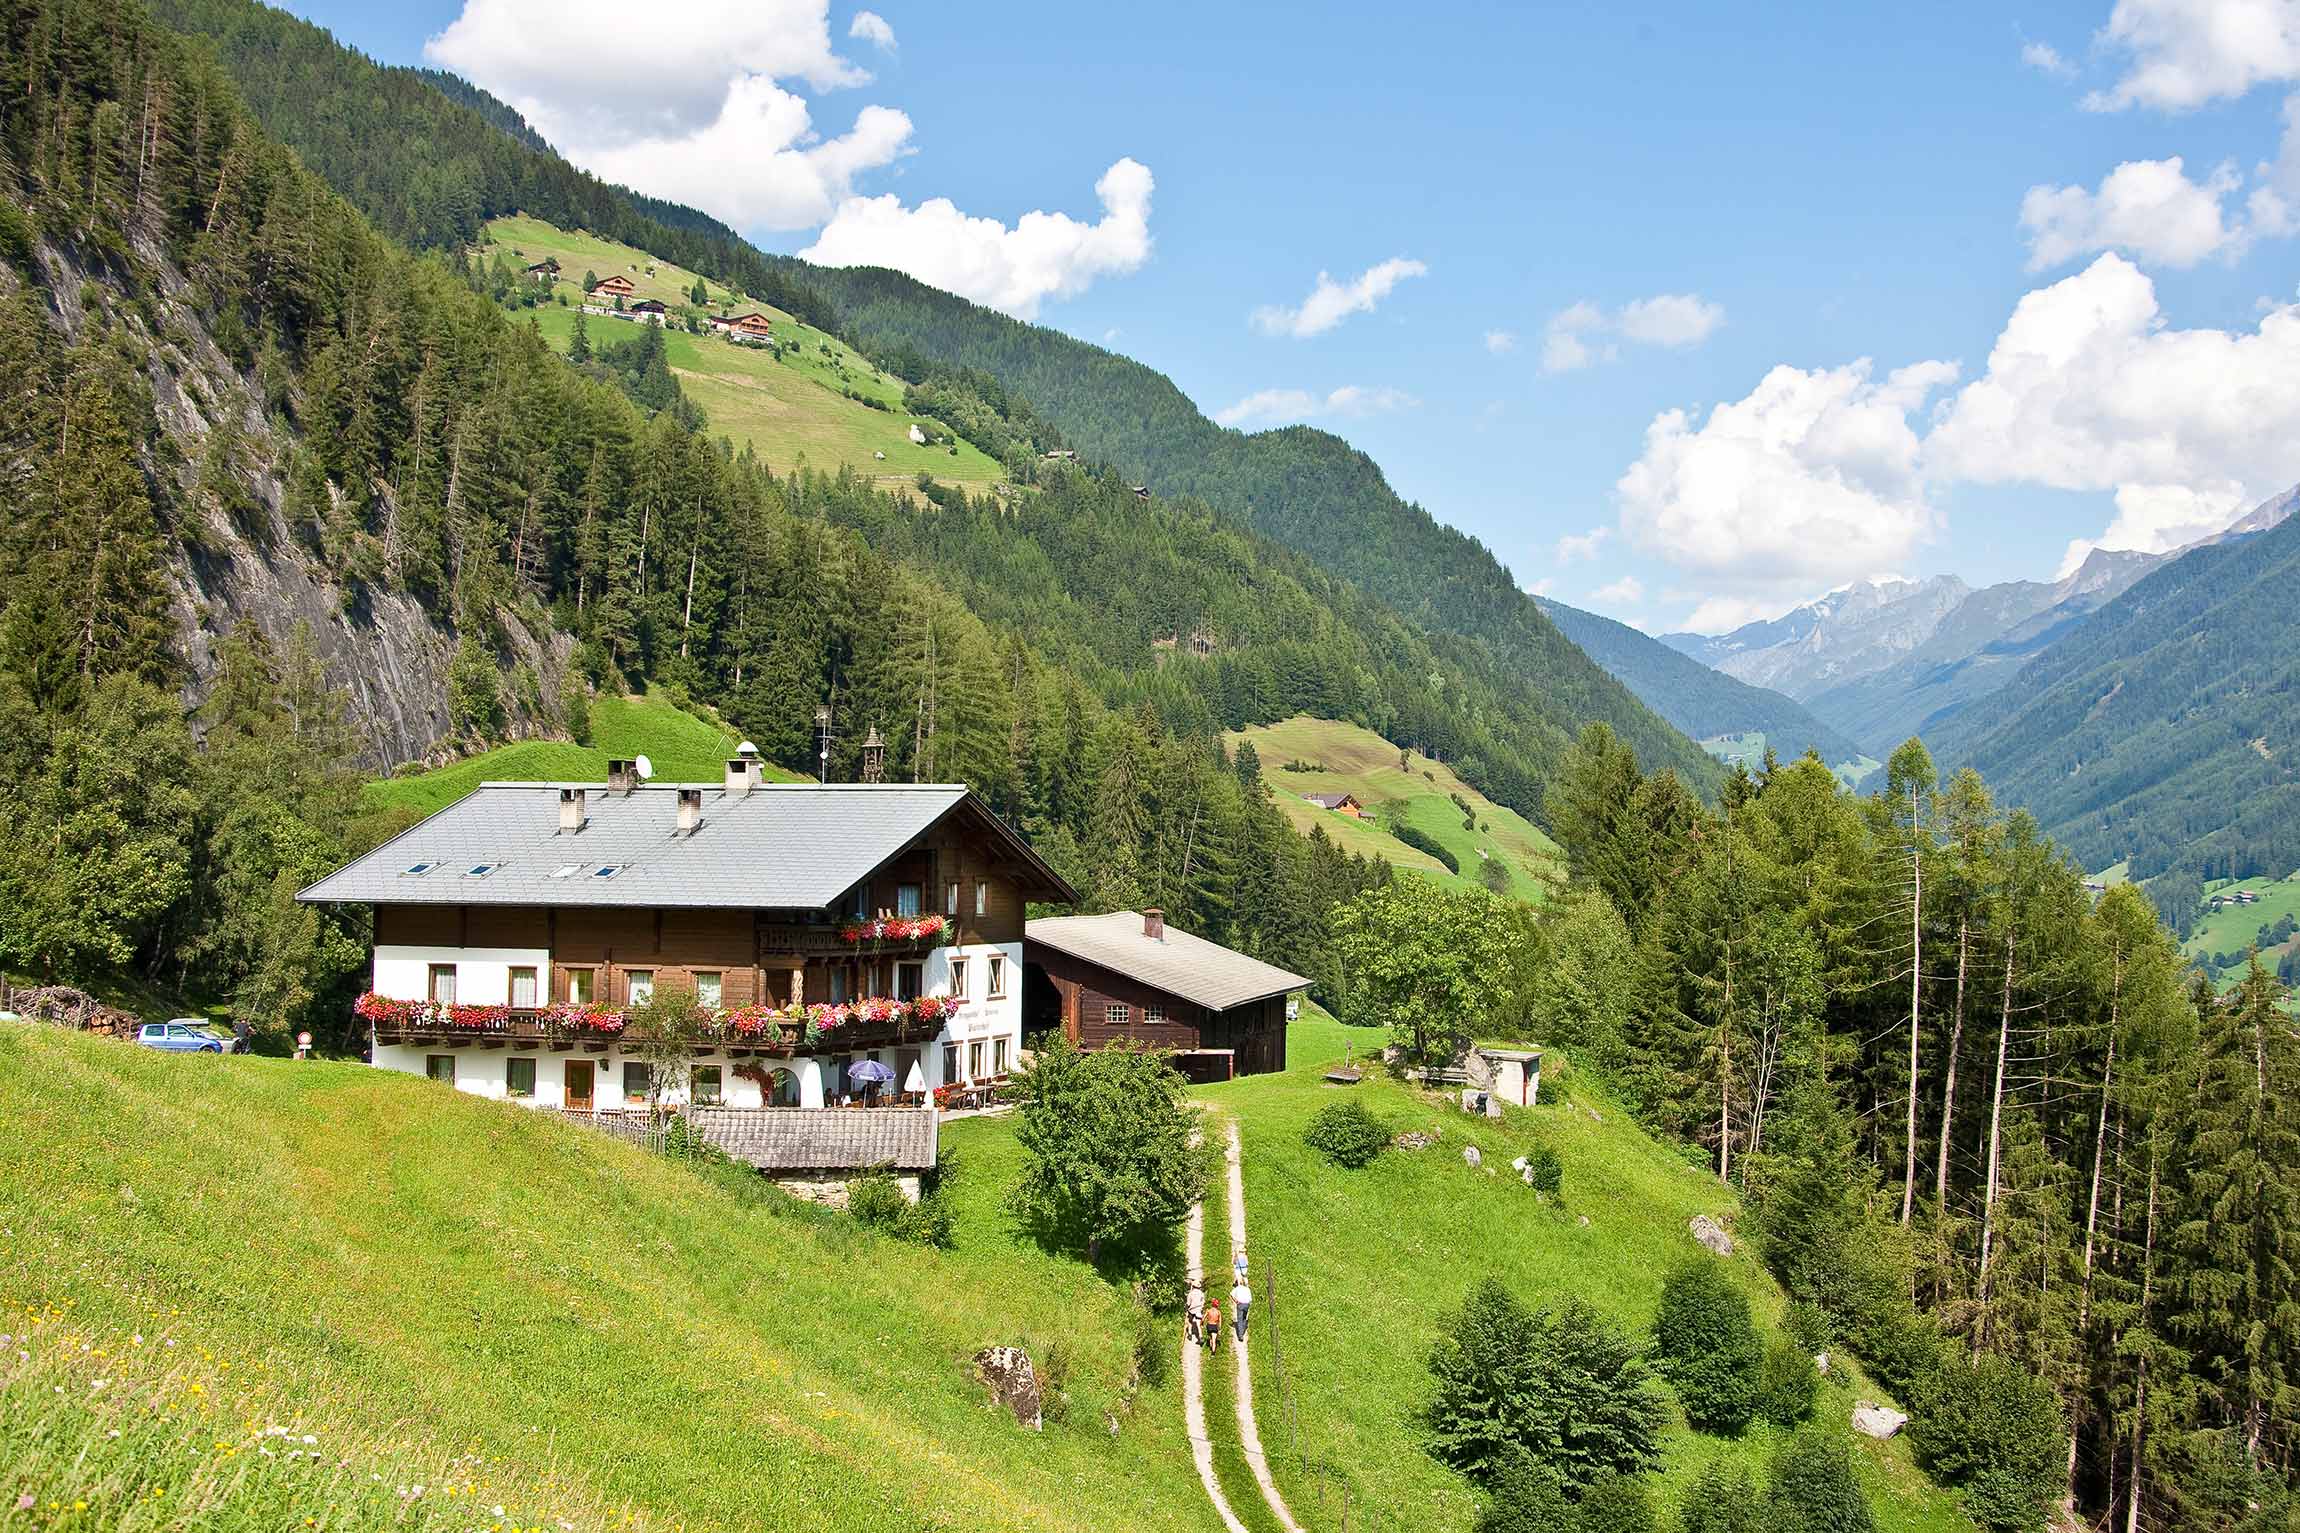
(1107, 1162)
(1434, 965)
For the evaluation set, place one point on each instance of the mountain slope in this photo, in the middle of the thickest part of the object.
(2166, 727)
(1699, 700)
(1847, 633)
(574, 1320)
(1308, 489)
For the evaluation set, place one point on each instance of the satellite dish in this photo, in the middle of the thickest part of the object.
(646, 768)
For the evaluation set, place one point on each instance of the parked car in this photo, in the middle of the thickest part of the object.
(185, 1035)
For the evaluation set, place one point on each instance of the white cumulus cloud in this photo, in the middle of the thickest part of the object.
(759, 165)
(1626, 591)
(1814, 477)
(1586, 333)
(2184, 53)
(1266, 407)
(1499, 341)
(1043, 255)
(2157, 518)
(2147, 208)
(1331, 302)
(872, 28)
(1582, 545)
(2088, 387)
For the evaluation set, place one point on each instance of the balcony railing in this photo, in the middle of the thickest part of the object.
(742, 1031)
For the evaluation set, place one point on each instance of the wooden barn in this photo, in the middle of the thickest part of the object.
(1129, 976)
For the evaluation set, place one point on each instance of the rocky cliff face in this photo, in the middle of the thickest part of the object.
(252, 563)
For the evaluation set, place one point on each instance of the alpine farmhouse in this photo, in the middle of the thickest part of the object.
(819, 926)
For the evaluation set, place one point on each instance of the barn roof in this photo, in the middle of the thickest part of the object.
(801, 1139)
(1202, 972)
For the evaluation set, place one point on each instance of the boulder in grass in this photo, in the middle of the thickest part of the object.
(1711, 1234)
(1470, 1157)
(1879, 1421)
(1013, 1383)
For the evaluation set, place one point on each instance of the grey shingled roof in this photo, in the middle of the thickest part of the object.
(821, 1138)
(1179, 964)
(780, 847)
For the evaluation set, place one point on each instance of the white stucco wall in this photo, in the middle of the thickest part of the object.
(482, 974)
(483, 977)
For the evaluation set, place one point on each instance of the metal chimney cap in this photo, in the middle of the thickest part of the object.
(746, 749)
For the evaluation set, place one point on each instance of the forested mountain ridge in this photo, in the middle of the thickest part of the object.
(2166, 728)
(1306, 488)
(1701, 701)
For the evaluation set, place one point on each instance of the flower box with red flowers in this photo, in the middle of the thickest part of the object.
(574, 1017)
(895, 929)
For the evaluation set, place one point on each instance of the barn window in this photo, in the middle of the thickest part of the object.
(1153, 1015)
(1115, 1013)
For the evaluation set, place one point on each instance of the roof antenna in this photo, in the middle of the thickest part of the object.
(646, 767)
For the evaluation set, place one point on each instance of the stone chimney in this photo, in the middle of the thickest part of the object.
(622, 777)
(742, 775)
(690, 811)
(1154, 924)
(571, 818)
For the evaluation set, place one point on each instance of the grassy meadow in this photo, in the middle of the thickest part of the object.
(1368, 1261)
(1349, 759)
(2232, 929)
(515, 1311)
(791, 409)
(680, 746)
(1749, 750)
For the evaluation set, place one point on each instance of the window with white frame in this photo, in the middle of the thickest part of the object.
(950, 904)
(1153, 1015)
(974, 1070)
(1001, 1059)
(981, 897)
(958, 979)
(1115, 1013)
(997, 975)
(640, 985)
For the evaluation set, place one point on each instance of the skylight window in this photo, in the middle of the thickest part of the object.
(569, 871)
(609, 871)
(481, 869)
(417, 869)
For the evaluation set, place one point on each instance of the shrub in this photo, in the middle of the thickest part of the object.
(1616, 1503)
(1152, 1347)
(1346, 1133)
(1422, 841)
(1722, 1501)
(1707, 1345)
(1526, 1499)
(1808, 1326)
(877, 1200)
(1994, 1422)
(1566, 1386)
(1544, 1172)
(1787, 1383)
(1814, 1490)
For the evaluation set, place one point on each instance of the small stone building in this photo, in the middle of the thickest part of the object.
(1129, 977)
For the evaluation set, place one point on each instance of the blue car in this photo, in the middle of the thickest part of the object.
(184, 1035)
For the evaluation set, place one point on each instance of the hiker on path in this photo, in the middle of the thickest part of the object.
(1193, 1308)
(1238, 1267)
(1213, 1326)
(1241, 1296)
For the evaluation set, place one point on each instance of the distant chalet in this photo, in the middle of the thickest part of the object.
(1129, 977)
(1340, 803)
(614, 287)
(752, 327)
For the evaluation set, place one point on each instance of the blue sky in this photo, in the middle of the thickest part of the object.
(1694, 203)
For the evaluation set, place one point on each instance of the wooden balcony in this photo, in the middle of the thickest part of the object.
(531, 1029)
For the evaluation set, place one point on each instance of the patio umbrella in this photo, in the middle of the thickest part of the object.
(916, 1080)
(866, 1070)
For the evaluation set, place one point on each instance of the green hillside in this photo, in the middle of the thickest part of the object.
(681, 747)
(1349, 759)
(1748, 750)
(2162, 728)
(791, 406)
(1366, 1262)
(511, 1309)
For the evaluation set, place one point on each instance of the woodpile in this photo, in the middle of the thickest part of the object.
(67, 1007)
